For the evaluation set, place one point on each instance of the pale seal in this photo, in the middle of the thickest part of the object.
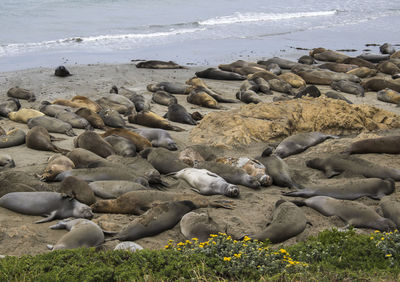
(56, 164)
(151, 119)
(112, 189)
(198, 225)
(23, 115)
(203, 99)
(158, 138)
(6, 161)
(388, 96)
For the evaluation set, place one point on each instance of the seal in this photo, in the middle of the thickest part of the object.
(348, 87)
(280, 86)
(335, 165)
(52, 125)
(352, 189)
(282, 63)
(288, 221)
(388, 67)
(8, 187)
(82, 158)
(388, 96)
(213, 73)
(106, 103)
(201, 98)
(8, 106)
(329, 56)
(121, 145)
(376, 84)
(238, 64)
(52, 110)
(337, 96)
(158, 138)
(151, 119)
(21, 93)
(82, 233)
(112, 118)
(293, 79)
(248, 96)
(128, 246)
(139, 141)
(23, 115)
(56, 164)
(382, 145)
(233, 175)
(359, 62)
(138, 202)
(178, 113)
(353, 213)
(363, 72)
(271, 67)
(163, 160)
(163, 98)
(38, 138)
(199, 85)
(112, 189)
(338, 67)
(322, 77)
(391, 210)
(93, 118)
(137, 99)
(310, 91)
(155, 64)
(170, 87)
(73, 119)
(161, 217)
(12, 138)
(79, 102)
(6, 161)
(300, 142)
(99, 173)
(205, 182)
(262, 85)
(387, 48)
(246, 70)
(78, 189)
(51, 204)
(266, 75)
(307, 60)
(198, 225)
(374, 58)
(61, 71)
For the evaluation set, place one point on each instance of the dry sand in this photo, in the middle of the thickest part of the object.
(18, 233)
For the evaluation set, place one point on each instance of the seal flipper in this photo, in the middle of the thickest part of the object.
(49, 218)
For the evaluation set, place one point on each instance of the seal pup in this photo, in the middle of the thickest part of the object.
(203, 99)
(158, 138)
(38, 138)
(163, 98)
(288, 221)
(61, 71)
(51, 204)
(140, 142)
(151, 119)
(23, 115)
(159, 218)
(138, 202)
(348, 87)
(300, 142)
(353, 189)
(6, 161)
(93, 118)
(78, 189)
(56, 164)
(52, 125)
(353, 213)
(198, 225)
(79, 102)
(8, 106)
(178, 113)
(213, 73)
(205, 182)
(383, 145)
(12, 138)
(391, 210)
(170, 87)
(21, 93)
(112, 189)
(293, 79)
(280, 86)
(82, 233)
(163, 160)
(112, 118)
(121, 145)
(93, 142)
(106, 103)
(335, 165)
(388, 96)
(156, 64)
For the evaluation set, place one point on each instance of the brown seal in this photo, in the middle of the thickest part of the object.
(363, 72)
(83, 158)
(388, 68)
(389, 96)
(78, 189)
(79, 102)
(52, 125)
(293, 79)
(376, 84)
(199, 84)
(56, 164)
(201, 98)
(93, 142)
(151, 119)
(155, 64)
(9, 105)
(383, 145)
(163, 160)
(38, 138)
(139, 141)
(214, 73)
(21, 93)
(93, 118)
(12, 138)
(338, 67)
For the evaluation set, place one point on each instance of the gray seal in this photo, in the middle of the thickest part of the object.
(82, 233)
(8, 106)
(382, 145)
(83, 158)
(38, 138)
(52, 125)
(50, 204)
(178, 113)
(52, 110)
(163, 98)
(391, 210)
(352, 189)
(112, 189)
(248, 96)
(387, 48)
(163, 160)
(348, 87)
(213, 73)
(170, 87)
(198, 225)
(12, 138)
(77, 189)
(112, 118)
(288, 221)
(121, 145)
(128, 246)
(300, 142)
(337, 96)
(73, 119)
(98, 173)
(353, 213)
(155, 64)
(158, 138)
(91, 141)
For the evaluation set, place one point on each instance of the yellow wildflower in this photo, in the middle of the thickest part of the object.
(180, 244)
(237, 255)
(244, 245)
(188, 242)
(214, 242)
(213, 235)
(245, 239)
(179, 249)
(382, 238)
(372, 238)
(227, 258)
(221, 233)
(388, 255)
(283, 251)
(376, 231)
(195, 239)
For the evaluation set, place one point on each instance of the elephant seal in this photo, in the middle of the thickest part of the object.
(251, 166)
(388, 96)
(391, 210)
(376, 84)
(56, 164)
(112, 189)
(99, 173)
(9, 187)
(353, 189)
(12, 138)
(121, 145)
(163, 160)
(300, 142)
(8, 106)
(196, 153)
(92, 117)
(128, 246)
(198, 225)
(213, 73)
(330, 56)
(138, 202)
(52, 125)
(387, 48)
(107, 104)
(6, 161)
(248, 96)
(205, 182)
(178, 113)
(79, 102)
(151, 119)
(337, 96)
(93, 142)
(338, 67)
(61, 71)
(82, 233)
(359, 62)
(383, 145)
(83, 158)
(353, 213)
(374, 58)
(262, 85)
(388, 67)
(51, 204)
(140, 142)
(21, 93)
(201, 98)
(233, 175)
(155, 64)
(348, 87)
(158, 138)
(310, 91)
(336, 164)
(362, 72)
(161, 217)
(23, 115)
(112, 118)
(170, 87)
(38, 138)
(293, 79)
(163, 98)
(78, 189)
(307, 60)
(280, 86)
(199, 85)
(52, 110)
(282, 63)
(73, 119)
(238, 64)
(288, 221)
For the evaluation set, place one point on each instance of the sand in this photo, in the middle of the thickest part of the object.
(19, 235)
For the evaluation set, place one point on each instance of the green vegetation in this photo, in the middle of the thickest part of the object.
(332, 255)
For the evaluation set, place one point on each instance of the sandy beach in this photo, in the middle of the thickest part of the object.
(19, 235)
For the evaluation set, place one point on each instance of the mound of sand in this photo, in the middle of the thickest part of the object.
(265, 122)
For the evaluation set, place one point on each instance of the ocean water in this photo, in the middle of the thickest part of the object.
(49, 33)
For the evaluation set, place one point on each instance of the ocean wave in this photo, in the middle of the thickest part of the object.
(257, 17)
